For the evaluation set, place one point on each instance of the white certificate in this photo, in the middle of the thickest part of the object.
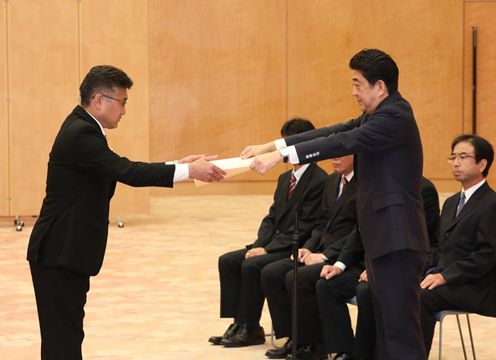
(232, 167)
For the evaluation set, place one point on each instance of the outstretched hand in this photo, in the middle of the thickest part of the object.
(191, 158)
(254, 150)
(202, 169)
(263, 163)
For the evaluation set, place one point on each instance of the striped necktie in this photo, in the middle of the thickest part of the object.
(292, 185)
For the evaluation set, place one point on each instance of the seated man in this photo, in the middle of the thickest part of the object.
(465, 275)
(241, 296)
(323, 247)
(332, 296)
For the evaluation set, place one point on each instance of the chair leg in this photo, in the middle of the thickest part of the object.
(471, 338)
(273, 338)
(440, 337)
(461, 337)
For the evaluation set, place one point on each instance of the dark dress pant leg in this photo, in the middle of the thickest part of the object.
(60, 298)
(252, 297)
(332, 296)
(364, 346)
(230, 282)
(394, 281)
(274, 287)
(308, 321)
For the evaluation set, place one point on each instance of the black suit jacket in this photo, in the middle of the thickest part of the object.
(338, 220)
(276, 230)
(72, 228)
(467, 252)
(353, 249)
(388, 161)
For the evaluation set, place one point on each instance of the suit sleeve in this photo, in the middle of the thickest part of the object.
(352, 252)
(386, 129)
(481, 259)
(92, 154)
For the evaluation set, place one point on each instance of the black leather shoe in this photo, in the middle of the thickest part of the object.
(309, 352)
(343, 356)
(244, 337)
(282, 352)
(231, 330)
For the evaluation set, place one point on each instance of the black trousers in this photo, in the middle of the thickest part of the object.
(241, 295)
(60, 299)
(335, 318)
(364, 347)
(277, 283)
(394, 281)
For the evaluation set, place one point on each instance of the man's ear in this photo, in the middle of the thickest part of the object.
(382, 88)
(482, 165)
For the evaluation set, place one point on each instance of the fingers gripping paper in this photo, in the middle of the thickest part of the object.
(232, 167)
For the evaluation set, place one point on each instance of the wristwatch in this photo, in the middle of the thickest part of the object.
(284, 154)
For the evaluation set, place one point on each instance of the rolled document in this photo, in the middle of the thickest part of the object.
(232, 167)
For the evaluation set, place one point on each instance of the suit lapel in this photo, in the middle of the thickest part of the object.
(471, 204)
(301, 186)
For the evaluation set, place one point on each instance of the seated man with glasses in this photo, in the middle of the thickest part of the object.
(464, 274)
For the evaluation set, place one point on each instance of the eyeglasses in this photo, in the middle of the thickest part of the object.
(121, 101)
(462, 157)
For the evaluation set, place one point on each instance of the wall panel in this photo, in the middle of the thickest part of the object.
(481, 15)
(115, 32)
(42, 75)
(217, 77)
(426, 40)
(4, 139)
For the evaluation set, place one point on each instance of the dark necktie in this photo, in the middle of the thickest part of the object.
(292, 185)
(461, 203)
(344, 181)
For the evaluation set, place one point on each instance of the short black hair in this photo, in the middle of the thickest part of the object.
(103, 77)
(482, 148)
(375, 65)
(295, 126)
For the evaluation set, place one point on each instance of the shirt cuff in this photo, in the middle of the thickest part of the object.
(293, 156)
(181, 173)
(280, 143)
(340, 265)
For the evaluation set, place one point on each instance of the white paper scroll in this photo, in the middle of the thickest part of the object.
(232, 167)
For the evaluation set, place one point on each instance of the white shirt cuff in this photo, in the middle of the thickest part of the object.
(280, 143)
(181, 173)
(340, 265)
(293, 156)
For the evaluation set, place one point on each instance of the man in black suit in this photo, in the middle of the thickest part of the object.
(333, 292)
(68, 241)
(298, 190)
(386, 141)
(465, 273)
(322, 247)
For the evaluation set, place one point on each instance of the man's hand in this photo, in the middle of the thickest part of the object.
(330, 271)
(255, 252)
(363, 276)
(302, 252)
(202, 169)
(253, 150)
(263, 163)
(432, 281)
(311, 259)
(191, 158)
